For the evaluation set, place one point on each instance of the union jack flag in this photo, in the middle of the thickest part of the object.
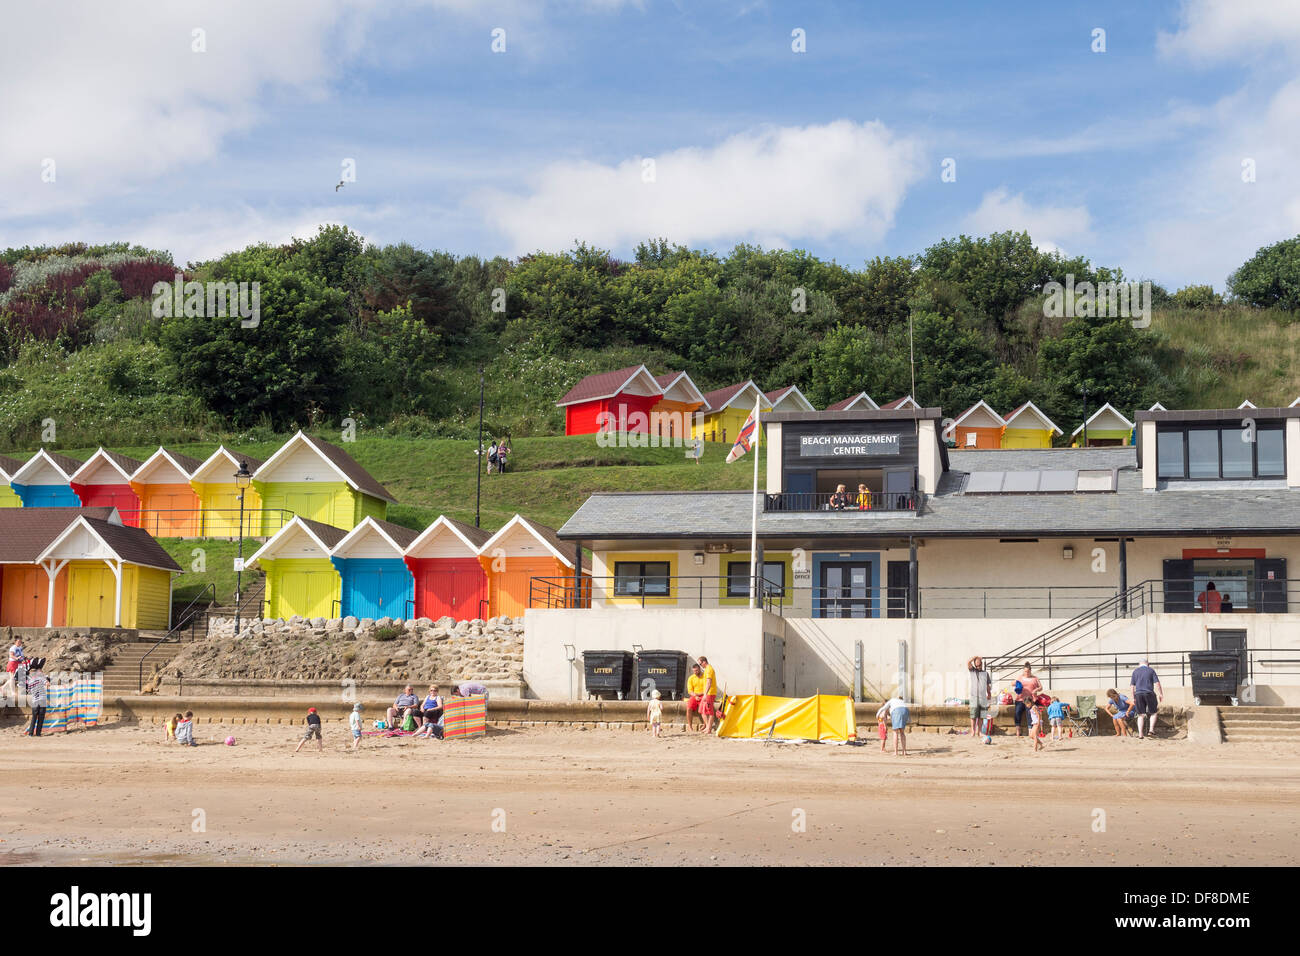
(747, 438)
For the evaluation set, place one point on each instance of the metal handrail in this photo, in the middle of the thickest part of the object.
(184, 621)
(847, 503)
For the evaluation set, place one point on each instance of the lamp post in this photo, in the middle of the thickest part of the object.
(243, 478)
(478, 453)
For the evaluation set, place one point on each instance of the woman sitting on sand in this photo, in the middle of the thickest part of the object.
(1120, 710)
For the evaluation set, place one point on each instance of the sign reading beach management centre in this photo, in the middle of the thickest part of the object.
(849, 445)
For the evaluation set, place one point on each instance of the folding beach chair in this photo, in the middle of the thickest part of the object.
(1083, 717)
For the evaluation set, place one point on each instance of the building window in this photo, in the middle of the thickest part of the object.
(738, 579)
(635, 578)
(1206, 453)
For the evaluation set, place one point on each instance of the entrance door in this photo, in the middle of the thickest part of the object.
(846, 589)
(368, 594)
(453, 591)
(92, 597)
(305, 593)
(898, 581)
(898, 489)
(799, 492)
(314, 506)
(1232, 642)
(26, 596)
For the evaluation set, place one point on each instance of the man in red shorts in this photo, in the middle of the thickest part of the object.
(710, 694)
(694, 695)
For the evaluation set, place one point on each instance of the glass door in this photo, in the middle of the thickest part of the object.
(846, 589)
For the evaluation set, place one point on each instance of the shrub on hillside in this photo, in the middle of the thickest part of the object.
(1197, 297)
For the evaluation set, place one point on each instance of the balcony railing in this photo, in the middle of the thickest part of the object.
(847, 503)
(207, 522)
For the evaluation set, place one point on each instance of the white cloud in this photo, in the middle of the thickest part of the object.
(1213, 30)
(774, 184)
(1052, 228)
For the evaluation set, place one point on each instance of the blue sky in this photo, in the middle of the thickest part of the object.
(1132, 156)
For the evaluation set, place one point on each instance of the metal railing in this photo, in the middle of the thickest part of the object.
(701, 591)
(207, 522)
(849, 502)
(188, 618)
(1095, 669)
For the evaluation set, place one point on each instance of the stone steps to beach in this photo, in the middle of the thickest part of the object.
(1260, 724)
(123, 675)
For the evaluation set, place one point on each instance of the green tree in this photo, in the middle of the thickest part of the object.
(1271, 277)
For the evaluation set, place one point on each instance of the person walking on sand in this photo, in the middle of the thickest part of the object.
(1036, 725)
(981, 694)
(313, 730)
(1147, 696)
(354, 722)
(1029, 686)
(654, 713)
(36, 684)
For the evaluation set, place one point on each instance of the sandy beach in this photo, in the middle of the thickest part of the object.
(120, 794)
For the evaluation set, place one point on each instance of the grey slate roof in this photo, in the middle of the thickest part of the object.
(1261, 508)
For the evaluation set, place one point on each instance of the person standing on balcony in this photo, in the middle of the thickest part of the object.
(1029, 686)
(841, 499)
(864, 498)
(1210, 601)
(981, 692)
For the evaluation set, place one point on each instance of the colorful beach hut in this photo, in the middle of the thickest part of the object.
(374, 579)
(1104, 427)
(788, 399)
(859, 402)
(320, 482)
(520, 551)
(105, 481)
(977, 427)
(300, 578)
(32, 595)
(116, 576)
(907, 402)
(169, 508)
(8, 497)
(671, 415)
(618, 401)
(43, 481)
(726, 409)
(1028, 427)
(218, 493)
(449, 580)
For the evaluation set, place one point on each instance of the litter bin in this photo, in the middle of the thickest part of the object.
(664, 671)
(1214, 674)
(608, 674)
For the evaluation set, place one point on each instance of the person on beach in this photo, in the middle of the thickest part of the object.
(172, 724)
(895, 710)
(1027, 694)
(1120, 709)
(185, 730)
(36, 684)
(654, 713)
(1056, 717)
(17, 659)
(710, 694)
(471, 688)
(313, 730)
(981, 693)
(432, 708)
(882, 730)
(1036, 724)
(1147, 695)
(405, 704)
(354, 722)
(694, 696)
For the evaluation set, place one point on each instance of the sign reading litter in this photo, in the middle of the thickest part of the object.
(823, 446)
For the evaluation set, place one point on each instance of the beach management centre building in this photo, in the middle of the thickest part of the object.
(1076, 559)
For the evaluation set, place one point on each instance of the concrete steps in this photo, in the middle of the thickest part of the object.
(123, 675)
(1260, 724)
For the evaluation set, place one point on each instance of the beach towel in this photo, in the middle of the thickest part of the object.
(465, 717)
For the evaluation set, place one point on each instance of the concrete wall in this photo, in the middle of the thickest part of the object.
(732, 639)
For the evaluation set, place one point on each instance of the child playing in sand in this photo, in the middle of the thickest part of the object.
(313, 730)
(354, 721)
(171, 726)
(896, 711)
(654, 713)
(185, 730)
(1056, 715)
(1036, 724)
(882, 728)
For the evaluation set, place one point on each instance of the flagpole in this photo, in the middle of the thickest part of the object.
(753, 529)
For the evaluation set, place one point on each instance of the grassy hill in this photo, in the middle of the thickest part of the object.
(1231, 354)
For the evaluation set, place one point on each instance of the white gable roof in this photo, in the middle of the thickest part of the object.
(791, 399)
(440, 528)
(368, 528)
(684, 388)
(285, 537)
(848, 404)
(1116, 420)
(160, 459)
(1157, 407)
(516, 524)
(39, 464)
(219, 467)
(1294, 404)
(1029, 408)
(1248, 404)
(996, 419)
(94, 463)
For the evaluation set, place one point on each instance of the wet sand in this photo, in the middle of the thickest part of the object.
(119, 794)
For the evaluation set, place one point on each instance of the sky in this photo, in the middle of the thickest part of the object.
(1160, 137)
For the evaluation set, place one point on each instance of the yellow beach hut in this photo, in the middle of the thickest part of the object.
(1105, 426)
(8, 497)
(725, 411)
(321, 482)
(1028, 427)
(300, 578)
(214, 483)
